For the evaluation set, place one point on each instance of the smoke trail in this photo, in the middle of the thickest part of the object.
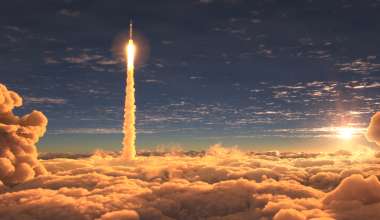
(129, 151)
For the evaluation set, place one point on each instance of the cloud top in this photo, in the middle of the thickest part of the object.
(18, 136)
(373, 131)
(220, 184)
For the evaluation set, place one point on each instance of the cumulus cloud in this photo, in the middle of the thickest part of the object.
(18, 136)
(355, 198)
(373, 131)
(121, 215)
(219, 184)
(222, 183)
(289, 214)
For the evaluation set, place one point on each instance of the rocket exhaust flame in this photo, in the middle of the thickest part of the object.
(129, 149)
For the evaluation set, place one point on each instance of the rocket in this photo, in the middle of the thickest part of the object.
(130, 48)
(129, 128)
(130, 30)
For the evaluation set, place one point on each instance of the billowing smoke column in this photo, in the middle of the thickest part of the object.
(129, 150)
(373, 131)
(18, 136)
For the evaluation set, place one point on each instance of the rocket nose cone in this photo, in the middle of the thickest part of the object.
(130, 29)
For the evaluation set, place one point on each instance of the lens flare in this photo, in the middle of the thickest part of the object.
(346, 133)
(129, 129)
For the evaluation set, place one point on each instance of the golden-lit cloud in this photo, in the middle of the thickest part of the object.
(373, 131)
(223, 183)
(18, 136)
(220, 183)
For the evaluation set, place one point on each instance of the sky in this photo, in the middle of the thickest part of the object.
(260, 75)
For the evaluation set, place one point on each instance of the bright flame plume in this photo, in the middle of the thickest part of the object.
(129, 149)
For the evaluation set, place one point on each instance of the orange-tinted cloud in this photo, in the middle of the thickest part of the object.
(222, 184)
(373, 131)
(18, 136)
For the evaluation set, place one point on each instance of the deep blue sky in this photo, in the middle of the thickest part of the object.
(260, 74)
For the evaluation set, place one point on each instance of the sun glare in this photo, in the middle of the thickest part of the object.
(345, 133)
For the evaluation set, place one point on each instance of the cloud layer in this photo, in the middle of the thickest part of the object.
(221, 184)
(18, 135)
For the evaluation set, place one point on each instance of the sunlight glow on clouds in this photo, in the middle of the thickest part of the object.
(18, 136)
(222, 184)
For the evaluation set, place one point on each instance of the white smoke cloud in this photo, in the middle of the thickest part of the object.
(18, 135)
(129, 128)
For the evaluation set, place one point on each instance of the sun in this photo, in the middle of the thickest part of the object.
(345, 133)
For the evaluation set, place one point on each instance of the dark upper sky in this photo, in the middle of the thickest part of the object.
(251, 73)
